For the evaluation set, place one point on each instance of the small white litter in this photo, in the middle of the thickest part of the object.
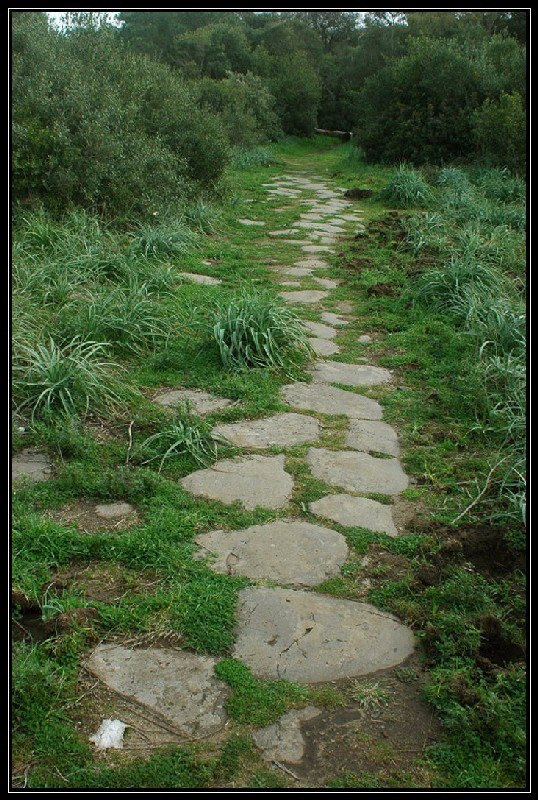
(110, 734)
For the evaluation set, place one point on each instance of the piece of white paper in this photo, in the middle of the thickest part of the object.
(110, 734)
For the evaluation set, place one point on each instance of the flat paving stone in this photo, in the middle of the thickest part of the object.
(355, 512)
(323, 347)
(330, 400)
(284, 740)
(306, 637)
(290, 283)
(350, 374)
(31, 464)
(206, 280)
(200, 402)
(285, 232)
(327, 283)
(255, 481)
(304, 296)
(357, 472)
(334, 319)
(371, 436)
(320, 330)
(251, 222)
(178, 687)
(317, 248)
(365, 339)
(298, 272)
(281, 430)
(114, 510)
(290, 552)
(312, 263)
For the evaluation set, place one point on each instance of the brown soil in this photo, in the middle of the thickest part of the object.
(81, 514)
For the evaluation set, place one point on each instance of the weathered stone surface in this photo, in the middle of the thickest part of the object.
(284, 232)
(312, 263)
(320, 330)
(284, 740)
(298, 272)
(350, 374)
(330, 400)
(307, 637)
(179, 687)
(254, 481)
(357, 472)
(32, 465)
(207, 280)
(291, 552)
(200, 402)
(323, 347)
(334, 319)
(114, 510)
(251, 222)
(305, 296)
(290, 283)
(355, 512)
(375, 437)
(365, 339)
(317, 248)
(281, 430)
(327, 283)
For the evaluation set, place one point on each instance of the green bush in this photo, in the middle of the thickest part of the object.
(407, 189)
(500, 127)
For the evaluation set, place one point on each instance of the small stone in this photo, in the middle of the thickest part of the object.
(284, 740)
(375, 437)
(281, 430)
(326, 283)
(365, 339)
(330, 400)
(334, 319)
(207, 280)
(179, 687)
(200, 402)
(357, 472)
(320, 330)
(350, 374)
(254, 481)
(251, 222)
(31, 464)
(114, 510)
(290, 552)
(354, 512)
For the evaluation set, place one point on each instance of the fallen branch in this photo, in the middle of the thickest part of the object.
(481, 493)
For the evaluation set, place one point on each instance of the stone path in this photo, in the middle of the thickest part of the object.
(285, 629)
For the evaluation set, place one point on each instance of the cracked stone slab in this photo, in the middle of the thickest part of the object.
(290, 552)
(200, 402)
(281, 430)
(323, 347)
(320, 330)
(355, 512)
(114, 510)
(284, 740)
(350, 374)
(254, 481)
(207, 280)
(31, 464)
(371, 436)
(307, 637)
(334, 319)
(357, 472)
(330, 400)
(304, 296)
(179, 687)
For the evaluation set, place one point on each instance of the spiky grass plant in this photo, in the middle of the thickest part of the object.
(184, 434)
(407, 189)
(163, 241)
(126, 316)
(201, 216)
(74, 378)
(255, 329)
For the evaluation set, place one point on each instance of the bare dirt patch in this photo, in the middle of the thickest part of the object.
(85, 517)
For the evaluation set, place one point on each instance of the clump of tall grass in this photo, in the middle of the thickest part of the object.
(201, 216)
(243, 158)
(74, 378)
(124, 316)
(407, 189)
(254, 329)
(163, 241)
(184, 434)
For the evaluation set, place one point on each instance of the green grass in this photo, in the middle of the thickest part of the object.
(458, 403)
